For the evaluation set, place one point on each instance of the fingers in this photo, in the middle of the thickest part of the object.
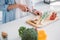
(26, 9)
(37, 13)
(23, 8)
(9, 7)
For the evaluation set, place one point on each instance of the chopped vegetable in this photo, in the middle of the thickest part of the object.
(32, 34)
(53, 16)
(44, 16)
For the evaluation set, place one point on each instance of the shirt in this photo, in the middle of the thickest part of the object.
(7, 15)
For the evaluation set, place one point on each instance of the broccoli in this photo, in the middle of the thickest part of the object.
(28, 34)
(21, 29)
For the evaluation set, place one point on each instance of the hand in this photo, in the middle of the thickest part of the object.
(10, 7)
(37, 12)
(24, 8)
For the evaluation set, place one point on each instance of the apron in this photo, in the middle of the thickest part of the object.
(8, 15)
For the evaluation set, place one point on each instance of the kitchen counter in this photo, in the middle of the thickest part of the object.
(55, 3)
(52, 30)
(55, 6)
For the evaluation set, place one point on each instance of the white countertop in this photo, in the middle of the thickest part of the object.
(52, 30)
(55, 3)
(55, 6)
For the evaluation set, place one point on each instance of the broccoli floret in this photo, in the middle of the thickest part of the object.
(29, 34)
(21, 29)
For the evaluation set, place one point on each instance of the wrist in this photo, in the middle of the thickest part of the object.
(15, 5)
(19, 5)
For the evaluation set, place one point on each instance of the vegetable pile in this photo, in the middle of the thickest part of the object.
(31, 34)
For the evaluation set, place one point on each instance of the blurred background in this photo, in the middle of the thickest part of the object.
(41, 5)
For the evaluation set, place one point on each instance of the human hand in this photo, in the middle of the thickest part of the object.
(24, 8)
(36, 12)
(10, 7)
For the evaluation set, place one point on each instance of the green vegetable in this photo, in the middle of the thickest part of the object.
(29, 34)
(44, 16)
(21, 29)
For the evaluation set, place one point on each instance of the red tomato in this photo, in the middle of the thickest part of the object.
(53, 16)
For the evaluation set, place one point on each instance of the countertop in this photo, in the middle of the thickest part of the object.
(55, 3)
(52, 30)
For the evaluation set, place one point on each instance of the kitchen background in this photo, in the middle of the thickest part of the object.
(39, 5)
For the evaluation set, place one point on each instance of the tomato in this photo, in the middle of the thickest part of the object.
(53, 16)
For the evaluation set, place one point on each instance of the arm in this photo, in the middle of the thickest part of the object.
(8, 7)
(13, 6)
(20, 6)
